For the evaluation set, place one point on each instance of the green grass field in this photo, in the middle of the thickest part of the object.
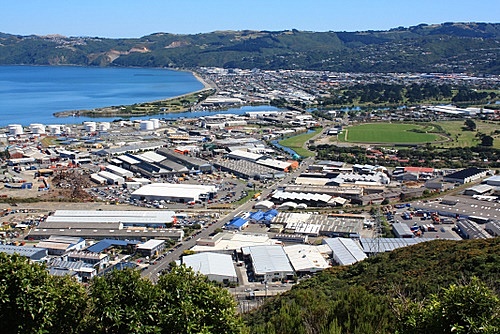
(296, 143)
(464, 138)
(389, 133)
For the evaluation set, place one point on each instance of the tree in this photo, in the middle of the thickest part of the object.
(470, 125)
(469, 308)
(122, 302)
(487, 141)
(32, 301)
(189, 303)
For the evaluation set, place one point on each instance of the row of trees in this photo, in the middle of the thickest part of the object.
(381, 93)
(32, 301)
(427, 156)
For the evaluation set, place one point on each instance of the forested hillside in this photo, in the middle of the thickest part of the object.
(448, 47)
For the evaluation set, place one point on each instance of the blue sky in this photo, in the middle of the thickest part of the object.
(127, 18)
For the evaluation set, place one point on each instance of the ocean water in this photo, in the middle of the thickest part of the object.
(32, 94)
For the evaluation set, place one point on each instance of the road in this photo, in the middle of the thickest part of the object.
(154, 269)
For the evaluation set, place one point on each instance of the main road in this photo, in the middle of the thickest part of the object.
(153, 270)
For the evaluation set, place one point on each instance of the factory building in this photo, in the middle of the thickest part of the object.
(269, 263)
(306, 259)
(466, 175)
(345, 251)
(152, 247)
(32, 253)
(217, 267)
(182, 193)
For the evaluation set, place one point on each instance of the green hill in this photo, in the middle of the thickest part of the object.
(383, 293)
(448, 47)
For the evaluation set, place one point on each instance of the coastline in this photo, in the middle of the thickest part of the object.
(110, 111)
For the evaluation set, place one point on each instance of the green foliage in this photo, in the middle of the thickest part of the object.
(468, 308)
(487, 141)
(122, 302)
(31, 301)
(192, 304)
(470, 124)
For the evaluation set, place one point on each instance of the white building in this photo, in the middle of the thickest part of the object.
(269, 263)
(183, 193)
(217, 267)
(345, 251)
(151, 247)
(306, 258)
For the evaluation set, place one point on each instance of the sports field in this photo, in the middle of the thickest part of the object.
(389, 133)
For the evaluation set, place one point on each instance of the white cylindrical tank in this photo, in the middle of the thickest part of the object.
(54, 129)
(146, 126)
(37, 128)
(15, 129)
(104, 126)
(156, 122)
(89, 126)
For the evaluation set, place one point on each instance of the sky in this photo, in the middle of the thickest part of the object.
(135, 18)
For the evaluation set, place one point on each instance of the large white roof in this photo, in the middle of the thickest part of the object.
(345, 251)
(268, 259)
(211, 264)
(174, 190)
(306, 257)
(88, 216)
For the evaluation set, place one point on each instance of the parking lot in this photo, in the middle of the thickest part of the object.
(412, 217)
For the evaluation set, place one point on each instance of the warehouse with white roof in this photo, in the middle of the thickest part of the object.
(269, 263)
(306, 259)
(217, 267)
(345, 251)
(182, 193)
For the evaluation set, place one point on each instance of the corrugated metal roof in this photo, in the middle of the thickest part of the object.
(268, 259)
(211, 264)
(378, 245)
(345, 251)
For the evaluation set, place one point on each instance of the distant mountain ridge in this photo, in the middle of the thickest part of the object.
(448, 47)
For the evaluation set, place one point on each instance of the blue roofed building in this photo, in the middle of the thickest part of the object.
(109, 243)
(237, 224)
(256, 216)
(269, 215)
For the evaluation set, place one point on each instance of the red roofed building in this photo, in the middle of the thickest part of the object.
(419, 170)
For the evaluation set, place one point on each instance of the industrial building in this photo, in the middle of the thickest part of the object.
(306, 259)
(468, 229)
(137, 218)
(380, 245)
(269, 263)
(402, 230)
(97, 225)
(217, 267)
(237, 223)
(32, 253)
(334, 225)
(230, 242)
(182, 193)
(345, 251)
(60, 244)
(192, 163)
(466, 175)
(152, 247)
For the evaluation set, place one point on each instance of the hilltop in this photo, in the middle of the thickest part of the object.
(447, 47)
